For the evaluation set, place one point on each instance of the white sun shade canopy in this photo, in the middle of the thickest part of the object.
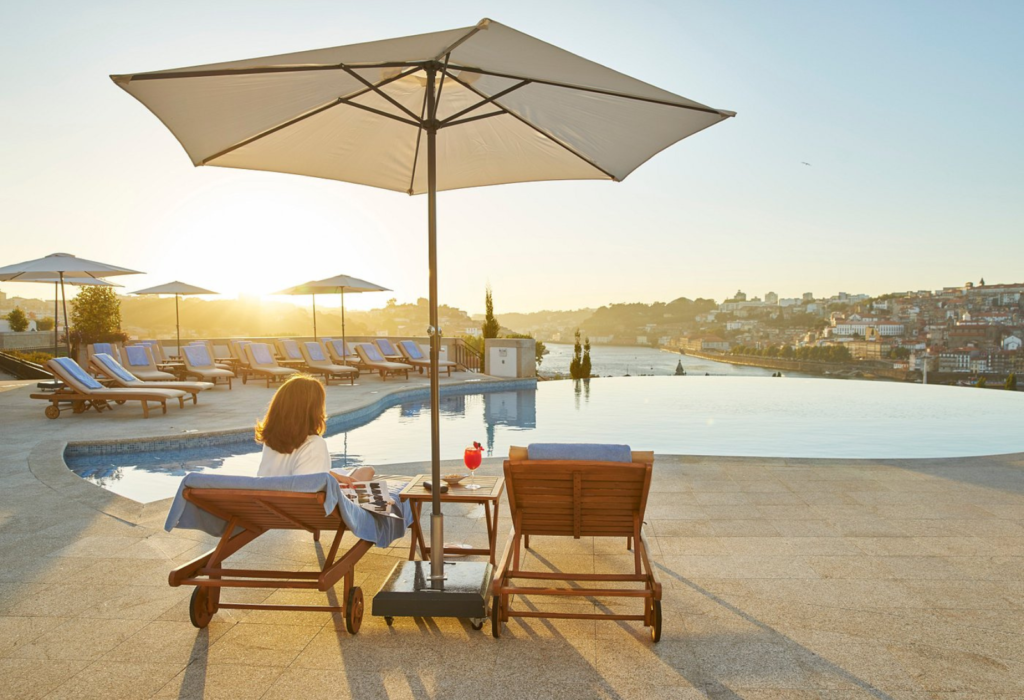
(175, 288)
(75, 281)
(346, 285)
(511, 108)
(51, 267)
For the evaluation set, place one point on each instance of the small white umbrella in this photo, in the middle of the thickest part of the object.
(480, 105)
(178, 289)
(74, 281)
(301, 290)
(57, 267)
(343, 284)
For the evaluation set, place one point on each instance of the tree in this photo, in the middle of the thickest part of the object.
(17, 320)
(540, 350)
(576, 366)
(491, 327)
(585, 364)
(1011, 382)
(44, 324)
(96, 317)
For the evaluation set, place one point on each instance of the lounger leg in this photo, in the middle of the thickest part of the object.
(145, 409)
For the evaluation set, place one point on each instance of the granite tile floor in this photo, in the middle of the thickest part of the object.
(790, 579)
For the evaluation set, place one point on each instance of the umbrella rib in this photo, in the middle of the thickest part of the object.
(262, 70)
(467, 110)
(459, 42)
(380, 92)
(314, 112)
(557, 141)
(498, 113)
(416, 151)
(599, 91)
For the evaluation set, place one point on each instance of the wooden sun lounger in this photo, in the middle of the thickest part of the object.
(140, 361)
(341, 353)
(83, 392)
(257, 512)
(198, 363)
(262, 363)
(317, 363)
(576, 499)
(110, 368)
(372, 359)
(415, 357)
(388, 350)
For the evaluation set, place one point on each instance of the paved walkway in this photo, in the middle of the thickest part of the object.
(783, 579)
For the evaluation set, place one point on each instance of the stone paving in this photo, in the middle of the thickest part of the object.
(787, 579)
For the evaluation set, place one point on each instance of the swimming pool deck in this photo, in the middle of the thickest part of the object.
(783, 579)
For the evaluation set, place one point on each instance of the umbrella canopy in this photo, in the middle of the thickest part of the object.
(178, 289)
(343, 284)
(481, 105)
(303, 290)
(56, 267)
(75, 281)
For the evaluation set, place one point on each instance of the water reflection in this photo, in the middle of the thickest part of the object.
(513, 409)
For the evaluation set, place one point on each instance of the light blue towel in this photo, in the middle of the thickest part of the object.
(316, 353)
(379, 529)
(588, 452)
(261, 353)
(107, 348)
(198, 355)
(386, 347)
(291, 348)
(115, 368)
(137, 355)
(412, 348)
(372, 354)
(75, 372)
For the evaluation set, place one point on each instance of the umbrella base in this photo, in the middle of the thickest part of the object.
(407, 591)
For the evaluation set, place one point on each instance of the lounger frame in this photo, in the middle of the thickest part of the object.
(576, 499)
(382, 368)
(250, 514)
(81, 402)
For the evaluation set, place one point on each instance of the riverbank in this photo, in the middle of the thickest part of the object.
(852, 370)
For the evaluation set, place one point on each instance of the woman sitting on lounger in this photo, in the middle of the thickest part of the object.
(292, 430)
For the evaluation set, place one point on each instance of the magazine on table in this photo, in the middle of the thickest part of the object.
(372, 496)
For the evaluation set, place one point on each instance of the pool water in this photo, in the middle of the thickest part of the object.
(741, 416)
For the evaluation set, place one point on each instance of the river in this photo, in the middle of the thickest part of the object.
(619, 361)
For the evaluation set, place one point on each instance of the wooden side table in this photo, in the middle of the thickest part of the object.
(488, 496)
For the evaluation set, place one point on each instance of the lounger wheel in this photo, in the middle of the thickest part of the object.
(390, 620)
(199, 607)
(477, 623)
(78, 406)
(52, 412)
(656, 621)
(354, 610)
(120, 402)
(496, 617)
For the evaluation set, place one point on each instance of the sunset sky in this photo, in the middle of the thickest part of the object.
(909, 114)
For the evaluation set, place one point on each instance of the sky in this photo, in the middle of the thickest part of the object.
(909, 114)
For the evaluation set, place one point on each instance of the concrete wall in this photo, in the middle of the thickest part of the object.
(510, 357)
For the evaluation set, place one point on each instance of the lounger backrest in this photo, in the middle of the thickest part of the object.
(138, 356)
(341, 349)
(239, 347)
(577, 498)
(73, 375)
(386, 347)
(369, 353)
(291, 350)
(412, 350)
(97, 348)
(221, 352)
(315, 351)
(113, 368)
(259, 354)
(197, 357)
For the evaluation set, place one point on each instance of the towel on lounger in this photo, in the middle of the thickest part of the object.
(587, 452)
(379, 529)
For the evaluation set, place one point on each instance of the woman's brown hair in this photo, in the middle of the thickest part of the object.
(297, 411)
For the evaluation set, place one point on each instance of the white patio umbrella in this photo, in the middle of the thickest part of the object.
(57, 267)
(343, 284)
(301, 290)
(74, 281)
(178, 289)
(481, 105)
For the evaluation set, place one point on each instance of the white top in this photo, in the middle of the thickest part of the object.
(310, 457)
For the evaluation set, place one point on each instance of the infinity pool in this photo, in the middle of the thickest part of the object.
(741, 416)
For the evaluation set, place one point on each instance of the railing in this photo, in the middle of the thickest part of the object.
(464, 356)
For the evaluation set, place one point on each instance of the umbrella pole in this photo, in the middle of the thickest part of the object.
(314, 316)
(177, 323)
(436, 518)
(344, 345)
(56, 326)
(64, 299)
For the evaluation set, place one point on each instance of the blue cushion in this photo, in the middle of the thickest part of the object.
(197, 355)
(97, 348)
(261, 354)
(583, 452)
(413, 349)
(372, 354)
(386, 347)
(291, 349)
(76, 372)
(316, 353)
(137, 356)
(114, 367)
